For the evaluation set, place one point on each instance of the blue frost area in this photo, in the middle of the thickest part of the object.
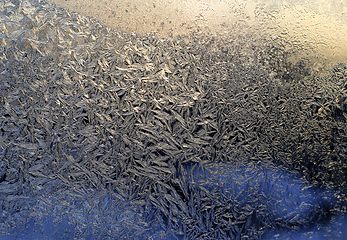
(280, 192)
(47, 230)
(252, 186)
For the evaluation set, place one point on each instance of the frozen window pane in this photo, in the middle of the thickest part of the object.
(173, 119)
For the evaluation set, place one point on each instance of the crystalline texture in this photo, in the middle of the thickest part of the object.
(106, 134)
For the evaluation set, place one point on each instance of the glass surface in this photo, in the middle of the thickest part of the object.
(173, 119)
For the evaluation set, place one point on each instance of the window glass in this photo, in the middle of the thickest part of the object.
(175, 119)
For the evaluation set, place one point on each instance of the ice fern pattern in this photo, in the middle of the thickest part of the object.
(110, 135)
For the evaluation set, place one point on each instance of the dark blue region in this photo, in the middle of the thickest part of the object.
(283, 192)
(242, 183)
(47, 231)
(65, 231)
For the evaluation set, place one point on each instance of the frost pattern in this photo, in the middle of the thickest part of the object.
(112, 135)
